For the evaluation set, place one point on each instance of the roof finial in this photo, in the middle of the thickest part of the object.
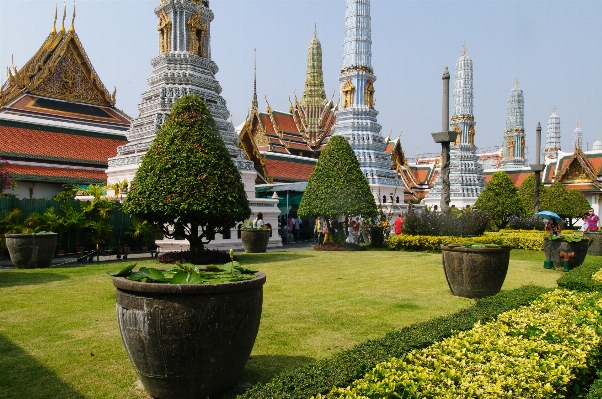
(464, 49)
(516, 82)
(255, 103)
(554, 110)
(56, 11)
(315, 29)
(72, 28)
(64, 16)
(577, 126)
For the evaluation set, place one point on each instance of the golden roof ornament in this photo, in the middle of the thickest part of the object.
(64, 16)
(464, 49)
(516, 82)
(72, 28)
(56, 11)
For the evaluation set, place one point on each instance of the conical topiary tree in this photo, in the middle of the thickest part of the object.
(187, 183)
(500, 200)
(337, 185)
(526, 193)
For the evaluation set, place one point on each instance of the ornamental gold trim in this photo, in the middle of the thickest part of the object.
(197, 34)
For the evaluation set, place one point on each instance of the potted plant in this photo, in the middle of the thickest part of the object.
(9, 223)
(193, 194)
(189, 331)
(475, 270)
(554, 245)
(254, 240)
(31, 250)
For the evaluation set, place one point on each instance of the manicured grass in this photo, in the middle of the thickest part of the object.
(59, 338)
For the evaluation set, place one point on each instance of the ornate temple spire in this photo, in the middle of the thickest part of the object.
(514, 134)
(255, 103)
(64, 16)
(463, 97)
(56, 10)
(552, 136)
(313, 92)
(577, 138)
(356, 118)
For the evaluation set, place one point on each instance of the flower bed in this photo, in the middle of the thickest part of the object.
(522, 239)
(534, 351)
(343, 368)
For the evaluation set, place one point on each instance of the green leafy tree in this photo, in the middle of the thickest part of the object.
(337, 185)
(187, 183)
(526, 193)
(579, 205)
(556, 199)
(500, 200)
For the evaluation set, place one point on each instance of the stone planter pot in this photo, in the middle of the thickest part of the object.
(30, 251)
(189, 341)
(553, 248)
(596, 247)
(79, 250)
(255, 240)
(475, 272)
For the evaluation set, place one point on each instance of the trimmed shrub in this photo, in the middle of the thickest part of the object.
(346, 367)
(500, 200)
(580, 278)
(466, 222)
(538, 351)
(532, 240)
(207, 257)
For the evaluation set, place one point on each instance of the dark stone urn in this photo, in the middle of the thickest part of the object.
(596, 247)
(30, 251)
(552, 250)
(475, 272)
(255, 240)
(189, 341)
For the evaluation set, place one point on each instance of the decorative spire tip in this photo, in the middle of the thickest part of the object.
(464, 49)
(315, 29)
(64, 16)
(72, 28)
(56, 11)
(516, 82)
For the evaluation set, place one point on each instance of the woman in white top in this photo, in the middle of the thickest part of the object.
(258, 222)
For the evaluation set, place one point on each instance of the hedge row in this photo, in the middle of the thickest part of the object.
(580, 278)
(538, 351)
(348, 366)
(521, 239)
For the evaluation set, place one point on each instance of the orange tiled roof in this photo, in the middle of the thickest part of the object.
(285, 122)
(280, 169)
(41, 144)
(57, 174)
(595, 161)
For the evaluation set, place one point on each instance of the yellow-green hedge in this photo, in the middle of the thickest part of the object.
(532, 352)
(518, 239)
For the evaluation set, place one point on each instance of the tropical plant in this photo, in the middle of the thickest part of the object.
(337, 185)
(49, 221)
(9, 224)
(500, 200)
(526, 193)
(68, 192)
(187, 183)
(187, 273)
(143, 232)
(75, 221)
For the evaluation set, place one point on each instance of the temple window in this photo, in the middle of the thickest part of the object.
(384, 199)
(197, 32)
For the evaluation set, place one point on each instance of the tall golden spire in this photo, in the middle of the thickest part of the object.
(64, 16)
(313, 92)
(72, 28)
(255, 103)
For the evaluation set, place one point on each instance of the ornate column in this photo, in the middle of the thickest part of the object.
(537, 167)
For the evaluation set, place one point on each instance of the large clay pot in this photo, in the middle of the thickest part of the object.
(596, 247)
(255, 240)
(475, 272)
(189, 341)
(552, 251)
(30, 251)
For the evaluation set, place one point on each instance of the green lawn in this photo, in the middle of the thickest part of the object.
(59, 337)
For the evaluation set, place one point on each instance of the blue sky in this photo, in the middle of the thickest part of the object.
(553, 47)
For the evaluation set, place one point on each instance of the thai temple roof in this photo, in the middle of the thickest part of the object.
(58, 122)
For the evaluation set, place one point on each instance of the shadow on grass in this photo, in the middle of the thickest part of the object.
(271, 257)
(17, 278)
(267, 366)
(23, 376)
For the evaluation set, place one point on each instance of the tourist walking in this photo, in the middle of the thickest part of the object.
(593, 221)
(357, 233)
(349, 229)
(327, 229)
(318, 229)
(297, 225)
(399, 224)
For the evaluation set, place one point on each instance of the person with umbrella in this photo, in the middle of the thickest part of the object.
(553, 227)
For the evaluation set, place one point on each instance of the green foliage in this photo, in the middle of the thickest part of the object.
(337, 185)
(187, 273)
(531, 240)
(10, 223)
(579, 205)
(555, 199)
(69, 192)
(187, 179)
(347, 366)
(526, 193)
(500, 200)
(580, 278)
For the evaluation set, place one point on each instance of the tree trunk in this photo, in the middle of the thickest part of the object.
(195, 240)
